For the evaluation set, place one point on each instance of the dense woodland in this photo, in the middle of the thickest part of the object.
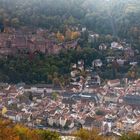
(44, 69)
(117, 17)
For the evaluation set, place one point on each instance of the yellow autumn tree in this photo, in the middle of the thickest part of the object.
(26, 133)
(60, 37)
(6, 131)
(75, 35)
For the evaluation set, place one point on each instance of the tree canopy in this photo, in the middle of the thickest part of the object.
(117, 17)
(10, 131)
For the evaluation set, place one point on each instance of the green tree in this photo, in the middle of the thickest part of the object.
(48, 135)
(84, 134)
(54, 96)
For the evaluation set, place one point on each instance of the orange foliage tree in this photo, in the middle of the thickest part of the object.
(11, 131)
